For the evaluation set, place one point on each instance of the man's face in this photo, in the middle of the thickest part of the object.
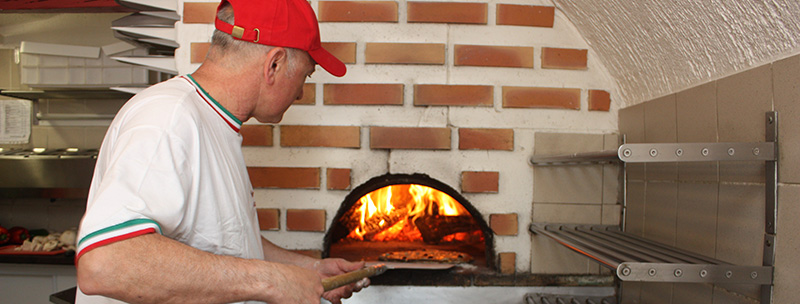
(288, 86)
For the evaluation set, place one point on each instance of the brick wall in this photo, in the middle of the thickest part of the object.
(455, 90)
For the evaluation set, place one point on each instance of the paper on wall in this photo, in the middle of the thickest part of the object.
(15, 121)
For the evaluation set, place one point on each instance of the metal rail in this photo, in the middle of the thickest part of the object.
(638, 259)
(697, 152)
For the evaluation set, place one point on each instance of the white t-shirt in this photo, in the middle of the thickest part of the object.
(171, 163)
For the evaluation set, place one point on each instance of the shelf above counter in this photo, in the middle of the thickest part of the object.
(88, 93)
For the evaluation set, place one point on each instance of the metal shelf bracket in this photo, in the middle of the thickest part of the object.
(695, 273)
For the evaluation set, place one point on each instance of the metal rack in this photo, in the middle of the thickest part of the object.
(638, 259)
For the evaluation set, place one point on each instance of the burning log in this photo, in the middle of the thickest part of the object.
(379, 213)
(372, 225)
(435, 227)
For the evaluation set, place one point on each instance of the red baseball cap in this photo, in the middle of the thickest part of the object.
(284, 23)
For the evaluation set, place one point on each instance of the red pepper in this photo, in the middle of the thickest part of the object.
(4, 236)
(18, 235)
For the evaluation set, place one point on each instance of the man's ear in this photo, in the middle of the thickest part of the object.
(276, 60)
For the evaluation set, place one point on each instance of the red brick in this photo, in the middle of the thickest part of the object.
(405, 53)
(447, 12)
(282, 177)
(314, 253)
(338, 179)
(309, 95)
(305, 220)
(268, 218)
(507, 262)
(409, 138)
(362, 94)
(198, 51)
(503, 223)
(568, 59)
(525, 15)
(357, 11)
(530, 97)
(494, 56)
(256, 135)
(486, 139)
(599, 100)
(321, 136)
(345, 51)
(453, 95)
(199, 12)
(480, 182)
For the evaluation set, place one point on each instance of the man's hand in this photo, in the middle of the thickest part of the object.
(323, 269)
(334, 266)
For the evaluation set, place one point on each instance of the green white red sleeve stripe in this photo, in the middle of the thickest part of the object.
(118, 232)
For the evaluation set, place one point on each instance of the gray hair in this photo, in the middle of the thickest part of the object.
(245, 51)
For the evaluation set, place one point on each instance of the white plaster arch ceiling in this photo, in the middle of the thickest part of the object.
(656, 47)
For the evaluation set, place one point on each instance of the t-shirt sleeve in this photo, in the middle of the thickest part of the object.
(140, 188)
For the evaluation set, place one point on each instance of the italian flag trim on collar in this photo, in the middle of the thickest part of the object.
(231, 120)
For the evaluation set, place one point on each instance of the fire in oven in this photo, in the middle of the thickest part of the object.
(409, 218)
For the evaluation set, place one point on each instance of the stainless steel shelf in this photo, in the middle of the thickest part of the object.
(62, 173)
(607, 156)
(85, 93)
(639, 259)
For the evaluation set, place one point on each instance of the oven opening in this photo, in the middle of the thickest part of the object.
(414, 218)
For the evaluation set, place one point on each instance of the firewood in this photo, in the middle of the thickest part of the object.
(372, 225)
(435, 227)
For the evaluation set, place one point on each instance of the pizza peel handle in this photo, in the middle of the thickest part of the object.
(334, 282)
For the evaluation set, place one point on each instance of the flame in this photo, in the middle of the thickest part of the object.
(389, 213)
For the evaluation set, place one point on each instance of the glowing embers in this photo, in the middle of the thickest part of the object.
(410, 212)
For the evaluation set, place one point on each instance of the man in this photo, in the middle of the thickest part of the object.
(171, 215)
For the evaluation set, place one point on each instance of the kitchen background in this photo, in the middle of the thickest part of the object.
(471, 90)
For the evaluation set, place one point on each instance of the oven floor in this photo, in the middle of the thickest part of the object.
(369, 251)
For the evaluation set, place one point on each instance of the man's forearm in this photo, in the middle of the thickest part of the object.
(155, 269)
(277, 254)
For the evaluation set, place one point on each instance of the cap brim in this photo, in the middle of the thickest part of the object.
(328, 62)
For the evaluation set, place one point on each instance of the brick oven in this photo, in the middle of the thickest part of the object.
(462, 93)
